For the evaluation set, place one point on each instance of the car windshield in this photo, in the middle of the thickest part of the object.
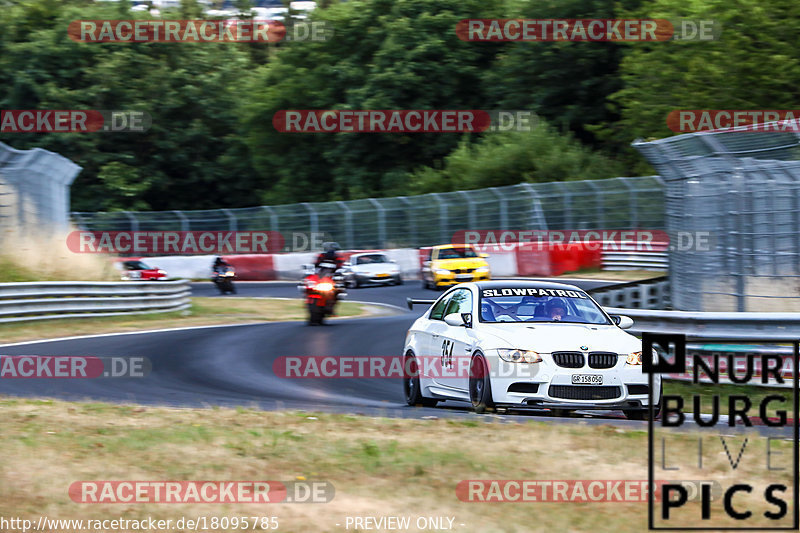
(370, 259)
(456, 253)
(136, 265)
(539, 305)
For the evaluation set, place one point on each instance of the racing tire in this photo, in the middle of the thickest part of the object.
(411, 385)
(642, 414)
(398, 280)
(480, 385)
(315, 315)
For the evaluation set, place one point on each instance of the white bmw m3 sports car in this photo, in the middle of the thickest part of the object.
(525, 344)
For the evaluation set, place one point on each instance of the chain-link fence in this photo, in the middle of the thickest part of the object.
(424, 220)
(34, 190)
(743, 189)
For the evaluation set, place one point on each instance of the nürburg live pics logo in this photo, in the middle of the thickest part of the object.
(735, 424)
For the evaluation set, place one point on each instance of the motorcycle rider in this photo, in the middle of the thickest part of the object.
(219, 264)
(330, 255)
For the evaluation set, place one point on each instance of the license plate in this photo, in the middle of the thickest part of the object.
(464, 276)
(382, 276)
(587, 379)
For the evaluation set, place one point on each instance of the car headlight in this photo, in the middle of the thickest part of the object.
(512, 355)
(162, 272)
(442, 272)
(482, 269)
(634, 358)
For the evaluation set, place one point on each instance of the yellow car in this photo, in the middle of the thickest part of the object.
(450, 264)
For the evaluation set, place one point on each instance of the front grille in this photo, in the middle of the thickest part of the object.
(603, 359)
(463, 270)
(568, 359)
(580, 392)
(530, 388)
(638, 389)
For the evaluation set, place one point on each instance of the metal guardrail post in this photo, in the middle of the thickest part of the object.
(133, 220)
(348, 224)
(633, 204)
(537, 219)
(232, 222)
(381, 222)
(470, 209)
(273, 218)
(503, 207)
(599, 208)
(184, 220)
(313, 217)
(412, 225)
(443, 237)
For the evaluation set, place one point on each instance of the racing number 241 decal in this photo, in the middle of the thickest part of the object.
(447, 353)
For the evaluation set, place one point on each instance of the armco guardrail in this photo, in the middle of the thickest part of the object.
(648, 294)
(700, 325)
(655, 256)
(69, 299)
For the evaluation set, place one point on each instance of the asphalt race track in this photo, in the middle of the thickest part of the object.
(232, 365)
(393, 295)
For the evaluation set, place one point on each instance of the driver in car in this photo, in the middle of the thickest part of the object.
(556, 309)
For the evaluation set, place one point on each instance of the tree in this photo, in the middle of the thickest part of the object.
(386, 54)
(507, 158)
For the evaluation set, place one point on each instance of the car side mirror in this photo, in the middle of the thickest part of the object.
(459, 319)
(392, 260)
(624, 322)
(483, 254)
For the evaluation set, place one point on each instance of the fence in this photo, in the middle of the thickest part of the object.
(743, 189)
(34, 189)
(69, 299)
(424, 220)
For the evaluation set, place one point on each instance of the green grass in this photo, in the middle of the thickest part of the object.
(203, 312)
(378, 466)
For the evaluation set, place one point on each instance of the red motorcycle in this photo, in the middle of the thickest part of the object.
(323, 288)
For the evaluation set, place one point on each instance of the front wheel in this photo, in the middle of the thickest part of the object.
(316, 314)
(480, 385)
(411, 384)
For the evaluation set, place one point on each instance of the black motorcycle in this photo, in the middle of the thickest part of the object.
(223, 278)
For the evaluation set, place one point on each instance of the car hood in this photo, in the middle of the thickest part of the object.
(548, 338)
(375, 268)
(452, 264)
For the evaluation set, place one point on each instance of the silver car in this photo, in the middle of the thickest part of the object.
(371, 268)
